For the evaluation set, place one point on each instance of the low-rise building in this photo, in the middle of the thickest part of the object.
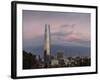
(54, 62)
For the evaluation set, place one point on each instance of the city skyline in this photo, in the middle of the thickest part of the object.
(67, 29)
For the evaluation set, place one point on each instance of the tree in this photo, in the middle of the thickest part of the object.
(60, 55)
(29, 60)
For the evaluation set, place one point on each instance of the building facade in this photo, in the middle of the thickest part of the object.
(47, 46)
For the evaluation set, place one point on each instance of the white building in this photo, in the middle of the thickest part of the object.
(54, 62)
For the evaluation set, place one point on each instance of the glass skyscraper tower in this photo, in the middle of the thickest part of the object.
(47, 46)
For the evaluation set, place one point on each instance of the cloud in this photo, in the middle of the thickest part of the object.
(67, 25)
(60, 34)
(73, 37)
(70, 37)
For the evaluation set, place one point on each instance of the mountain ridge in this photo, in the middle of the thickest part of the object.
(67, 50)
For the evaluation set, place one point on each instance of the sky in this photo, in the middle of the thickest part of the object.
(66, 28)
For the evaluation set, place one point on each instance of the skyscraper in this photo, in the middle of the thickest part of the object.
(47, 47)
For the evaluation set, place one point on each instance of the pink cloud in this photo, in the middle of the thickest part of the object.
(73, 37)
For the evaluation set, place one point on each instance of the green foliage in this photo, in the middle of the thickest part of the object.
(60, 55)
(29, 60)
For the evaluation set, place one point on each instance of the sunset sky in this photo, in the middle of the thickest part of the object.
(67, 28)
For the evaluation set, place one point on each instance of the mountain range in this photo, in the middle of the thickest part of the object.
(69, 51)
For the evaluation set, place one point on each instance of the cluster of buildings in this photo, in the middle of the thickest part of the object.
(59, 60)
(70, 62)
